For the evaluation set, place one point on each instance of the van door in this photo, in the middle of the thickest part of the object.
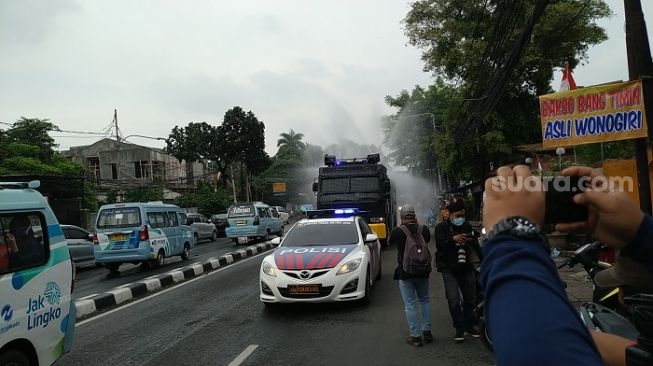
(174, 232)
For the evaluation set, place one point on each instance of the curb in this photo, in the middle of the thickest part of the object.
(125, 293)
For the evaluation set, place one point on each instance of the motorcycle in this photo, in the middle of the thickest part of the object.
(601, 314)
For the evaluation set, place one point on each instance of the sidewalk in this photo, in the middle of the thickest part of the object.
(579, 286)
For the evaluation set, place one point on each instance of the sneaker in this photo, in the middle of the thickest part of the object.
(460, 336)
(472, 332)
(428, 336)
(414, 341)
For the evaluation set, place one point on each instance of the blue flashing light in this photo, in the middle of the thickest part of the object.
(346, 211)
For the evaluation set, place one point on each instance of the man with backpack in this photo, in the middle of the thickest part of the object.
(457, 249)
(413, 270)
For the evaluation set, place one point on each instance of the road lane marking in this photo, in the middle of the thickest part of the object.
(166, 290)
(243, 355)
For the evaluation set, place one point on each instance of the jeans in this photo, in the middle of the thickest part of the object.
(413, 290)
(454, 285)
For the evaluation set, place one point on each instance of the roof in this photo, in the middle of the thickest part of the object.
(21, 199)
(138, 204)
(347, 219)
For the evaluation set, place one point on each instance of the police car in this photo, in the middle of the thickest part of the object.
(331, 256)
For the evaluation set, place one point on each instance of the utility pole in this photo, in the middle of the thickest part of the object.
(640, 67)
(115, 124)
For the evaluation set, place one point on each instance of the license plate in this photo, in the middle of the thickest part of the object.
(304, 289)
(243, 240)
(118, 237)
(241, 222)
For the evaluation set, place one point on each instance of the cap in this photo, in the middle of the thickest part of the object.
(626, 271)
(407, 210)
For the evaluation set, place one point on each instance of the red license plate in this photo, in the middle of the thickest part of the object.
(304, 289)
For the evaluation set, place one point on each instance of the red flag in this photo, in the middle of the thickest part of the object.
(568, 82)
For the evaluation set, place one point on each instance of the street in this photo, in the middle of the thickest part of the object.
(90, 280)
(214, 318)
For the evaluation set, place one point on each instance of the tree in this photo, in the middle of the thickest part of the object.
(33, 132)
(465, 43)
(291, 140)
(191, 143)
(144, 194)
(208, 199)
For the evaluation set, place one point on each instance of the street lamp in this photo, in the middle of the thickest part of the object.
(145, 137)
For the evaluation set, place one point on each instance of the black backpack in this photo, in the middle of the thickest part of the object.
(417, 257)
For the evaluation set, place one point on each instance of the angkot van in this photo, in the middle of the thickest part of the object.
(252, 220)
(144, 233)
(37, 311)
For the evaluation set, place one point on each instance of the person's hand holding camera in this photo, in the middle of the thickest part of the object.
(613, 217)
(460, 238)
(513, 192)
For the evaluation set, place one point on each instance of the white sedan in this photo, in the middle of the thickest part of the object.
(325, 259)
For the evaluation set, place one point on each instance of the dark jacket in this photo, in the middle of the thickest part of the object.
(446, 257)
(641, 247)
(398, 239)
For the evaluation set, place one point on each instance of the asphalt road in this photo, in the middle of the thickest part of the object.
(90, 280)
(215, 318)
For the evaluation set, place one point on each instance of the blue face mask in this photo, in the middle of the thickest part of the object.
(458, 221)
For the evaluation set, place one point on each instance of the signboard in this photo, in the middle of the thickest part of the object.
(595, 114)
(279, 187)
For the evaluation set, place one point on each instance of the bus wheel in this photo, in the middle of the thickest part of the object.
(186, 253)
(14, 357)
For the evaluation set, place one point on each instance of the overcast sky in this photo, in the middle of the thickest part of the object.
(318, 67)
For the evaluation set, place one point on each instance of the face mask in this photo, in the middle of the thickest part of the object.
(458, 221)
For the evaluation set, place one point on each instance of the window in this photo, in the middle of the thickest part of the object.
(319, 233)
(364, 184)
(156, 219)
(114, 171)
(335, 185)
(119, 218)
(23, 241)
(172, 216)
(183, 218)
(166, 220)
(76, 234)
(241, 211)
(142, 169)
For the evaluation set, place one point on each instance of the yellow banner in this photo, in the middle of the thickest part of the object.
(278, 187)
(595, 114)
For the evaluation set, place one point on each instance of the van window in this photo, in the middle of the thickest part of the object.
(183, 218)
(172, 216)
(23, 241)
(241, 211)
(156, 219)
(262, 212)
(119, 217)
(166, 221)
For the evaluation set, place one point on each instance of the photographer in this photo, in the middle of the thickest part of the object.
(457, 250)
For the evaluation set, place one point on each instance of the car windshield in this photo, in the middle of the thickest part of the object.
(119, 218)
(319, 233)
(241, 211)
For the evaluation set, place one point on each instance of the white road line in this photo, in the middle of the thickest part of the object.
(166, 290)
(243, 355)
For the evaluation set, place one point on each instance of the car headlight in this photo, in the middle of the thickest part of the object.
(268, 269)
(350, 266)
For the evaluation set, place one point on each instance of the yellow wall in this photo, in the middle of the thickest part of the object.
(628, 168)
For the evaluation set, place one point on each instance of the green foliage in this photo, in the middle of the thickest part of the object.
(89, 201)
(292, 140)
(144, 194)
(465, 43)
(112, 197)
(209, 200)
(33, 132)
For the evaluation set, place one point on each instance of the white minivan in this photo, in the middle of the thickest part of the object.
(37, 311)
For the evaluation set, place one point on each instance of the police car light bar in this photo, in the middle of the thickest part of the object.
(332, 213)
